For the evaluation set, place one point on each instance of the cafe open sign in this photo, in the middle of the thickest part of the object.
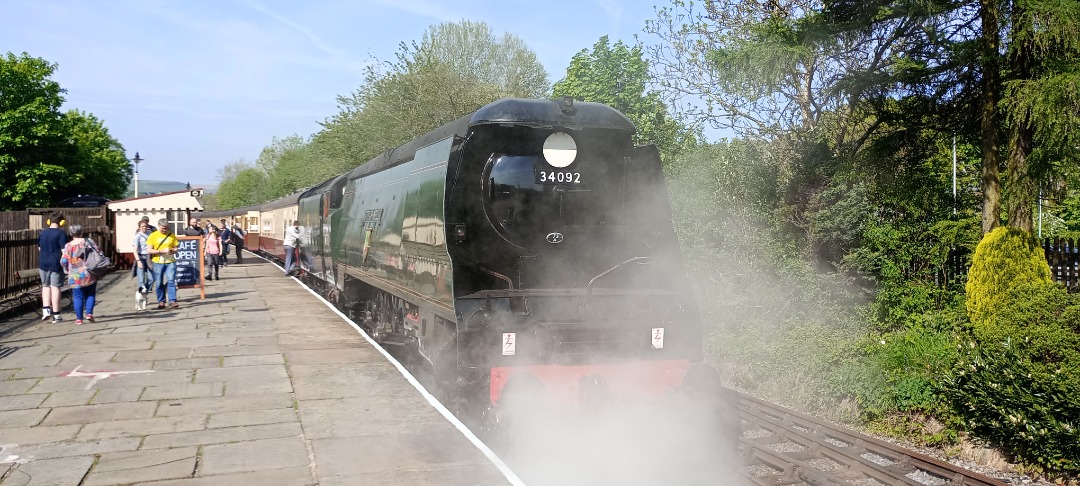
(189, 264)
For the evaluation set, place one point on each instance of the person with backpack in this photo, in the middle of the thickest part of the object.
(83, 282)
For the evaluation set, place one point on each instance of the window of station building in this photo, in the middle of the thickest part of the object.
(178, 219)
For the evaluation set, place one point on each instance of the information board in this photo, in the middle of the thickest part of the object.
(190, 268)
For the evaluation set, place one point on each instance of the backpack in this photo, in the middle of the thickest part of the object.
(95, 262)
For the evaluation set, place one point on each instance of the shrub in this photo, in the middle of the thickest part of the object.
(1017, 380)
(1005, 259)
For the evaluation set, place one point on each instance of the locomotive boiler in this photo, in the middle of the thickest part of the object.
(524, 249)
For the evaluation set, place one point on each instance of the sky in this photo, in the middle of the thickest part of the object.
(193, 85)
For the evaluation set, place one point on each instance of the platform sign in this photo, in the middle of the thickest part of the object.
(190, 264)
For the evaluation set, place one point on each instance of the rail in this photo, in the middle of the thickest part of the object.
(782, 446)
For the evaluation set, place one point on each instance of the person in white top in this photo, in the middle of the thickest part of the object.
(292, 245)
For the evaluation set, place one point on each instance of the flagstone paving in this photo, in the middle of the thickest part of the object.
(259, 384)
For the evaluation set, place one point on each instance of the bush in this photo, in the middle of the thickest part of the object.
(1005, 259)
(1017, 381)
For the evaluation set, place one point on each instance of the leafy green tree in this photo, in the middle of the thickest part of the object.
(297, 168)
(1005, 73)
(472, 50)
(31, 133)
(46, 155)
(1041, 93)
(210, 202)
(272, 154)
(617, 76)
(247, 188)
(230, 170)
(99, 165)
(750, 66)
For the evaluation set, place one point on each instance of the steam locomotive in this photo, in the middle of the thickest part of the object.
(526, 249)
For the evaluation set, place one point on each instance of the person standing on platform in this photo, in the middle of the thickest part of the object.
(292, 245)
(194, 229)
(162, 249)
(238, 235)
(226, 239)
(142, 257)
(146, 219)
(83, 283)
(50, 248)
(212, 250)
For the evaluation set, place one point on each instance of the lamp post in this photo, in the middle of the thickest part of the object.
(137, 160)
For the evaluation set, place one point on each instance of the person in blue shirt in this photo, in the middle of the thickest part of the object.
(51, 243)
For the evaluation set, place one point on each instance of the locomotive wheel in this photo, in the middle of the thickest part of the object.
(505, 422)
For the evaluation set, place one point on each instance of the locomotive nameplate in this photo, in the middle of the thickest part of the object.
(557, 177)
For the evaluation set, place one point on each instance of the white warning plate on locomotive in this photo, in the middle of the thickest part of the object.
(509, 343)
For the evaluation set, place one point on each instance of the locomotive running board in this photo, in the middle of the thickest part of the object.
(440, 309)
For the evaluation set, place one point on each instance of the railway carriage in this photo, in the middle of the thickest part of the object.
(274, 217)
(246, 217)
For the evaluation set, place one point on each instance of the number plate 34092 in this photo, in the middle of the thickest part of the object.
(557, 177)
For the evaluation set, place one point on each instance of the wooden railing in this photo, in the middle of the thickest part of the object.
(19, 251)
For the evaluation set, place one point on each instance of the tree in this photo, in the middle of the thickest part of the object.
(272, 154)
(249, 187)
(31, 132)
(230, 170)
(751, 67)
(760, 69)
(617, 76)
(1041, 99)
(1005, 73)
(471, 50)
(99, 165)
(46, 155)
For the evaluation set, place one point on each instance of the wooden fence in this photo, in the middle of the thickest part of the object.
(1062, 255)
(1064, 259)
(19, 251)
(14, 220)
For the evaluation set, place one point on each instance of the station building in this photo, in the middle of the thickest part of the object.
(177, 207)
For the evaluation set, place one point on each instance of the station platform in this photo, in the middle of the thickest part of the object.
(260, 383)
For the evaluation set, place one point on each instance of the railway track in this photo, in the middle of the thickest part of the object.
(785, 447)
